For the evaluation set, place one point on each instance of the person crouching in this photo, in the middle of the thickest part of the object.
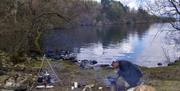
(128, 75)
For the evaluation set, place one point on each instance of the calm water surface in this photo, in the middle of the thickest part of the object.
(145, 45)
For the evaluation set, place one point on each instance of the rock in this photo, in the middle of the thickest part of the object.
(21, 89)
(131, 89)
(177, 61)
(9, 82)
(170, 64)
(87, 64)
(105, 66)
(16, 81)
(159, 64)
(174, 63)
(2, 72)
(60, 54)
(144, 88)
(93, 62)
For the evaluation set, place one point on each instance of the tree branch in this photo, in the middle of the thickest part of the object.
(174, 5)
(53, 13)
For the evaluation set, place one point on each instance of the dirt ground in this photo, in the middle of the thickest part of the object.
(69, 73)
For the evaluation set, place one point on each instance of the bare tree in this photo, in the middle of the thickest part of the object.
(166, 8)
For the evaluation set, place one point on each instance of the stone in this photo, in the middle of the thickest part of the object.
(159, 64)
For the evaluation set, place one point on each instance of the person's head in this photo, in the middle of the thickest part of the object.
(115, 64)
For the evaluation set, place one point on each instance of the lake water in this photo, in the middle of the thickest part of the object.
(142, 44)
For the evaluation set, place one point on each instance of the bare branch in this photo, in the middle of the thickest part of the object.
(53, 13)
(174, 5)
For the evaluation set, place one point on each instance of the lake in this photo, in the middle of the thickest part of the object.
(143, 44)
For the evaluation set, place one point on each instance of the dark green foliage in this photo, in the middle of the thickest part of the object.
(18, 57)
(105, 4)
(113, 10)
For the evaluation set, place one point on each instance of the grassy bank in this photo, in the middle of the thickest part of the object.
(162, 78)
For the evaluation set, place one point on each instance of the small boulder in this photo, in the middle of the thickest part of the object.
(159, 64)
(87, 64)
(144, 88)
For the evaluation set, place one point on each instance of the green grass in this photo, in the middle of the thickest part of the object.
(163, 78)
(165, 85)
(171, 72)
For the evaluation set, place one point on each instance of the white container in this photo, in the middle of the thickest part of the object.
(75, 84)
(72, 87)
(100, 88)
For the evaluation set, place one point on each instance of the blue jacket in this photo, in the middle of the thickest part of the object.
(129, 72)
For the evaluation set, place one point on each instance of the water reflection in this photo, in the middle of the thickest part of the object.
(83, 36)
(140, 44)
